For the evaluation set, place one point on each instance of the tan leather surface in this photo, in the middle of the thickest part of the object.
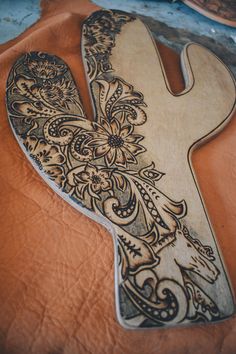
(56, 265)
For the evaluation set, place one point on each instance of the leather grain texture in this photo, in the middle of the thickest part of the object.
(56, 265)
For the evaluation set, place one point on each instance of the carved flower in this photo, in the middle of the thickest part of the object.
(45, 69)
(92, 179)
(97, 41)
(59, 93)
(100, 30)
(116, 143)
(48, 158)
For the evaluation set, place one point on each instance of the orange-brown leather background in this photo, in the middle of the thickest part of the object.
(56, 265)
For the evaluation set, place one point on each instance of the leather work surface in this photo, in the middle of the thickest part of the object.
(57, 291)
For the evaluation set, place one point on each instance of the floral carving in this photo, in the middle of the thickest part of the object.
(59, 94)
(115, 142)
(97, 42)
(117, 97)
(99, 34)
(48, 158)
(90, 178)
(44, 68)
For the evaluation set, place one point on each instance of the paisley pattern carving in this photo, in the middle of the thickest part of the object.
(99, 165)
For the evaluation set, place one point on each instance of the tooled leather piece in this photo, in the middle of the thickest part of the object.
(56, 265)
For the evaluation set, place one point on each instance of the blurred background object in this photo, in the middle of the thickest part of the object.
(223, 11)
